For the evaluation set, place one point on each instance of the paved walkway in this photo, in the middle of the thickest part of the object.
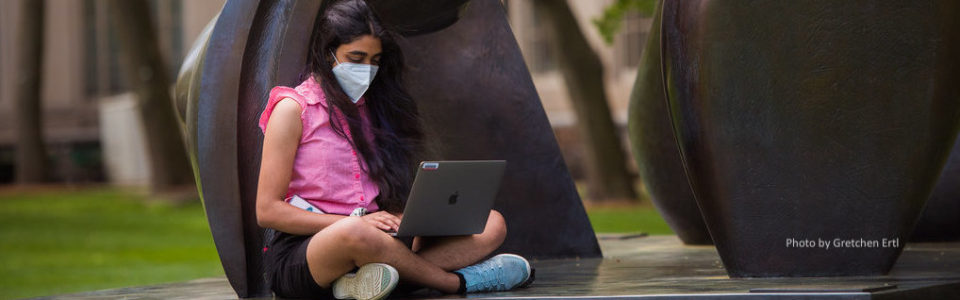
(660, 267)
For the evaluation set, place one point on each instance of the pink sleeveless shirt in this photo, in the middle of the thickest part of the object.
(326, 170)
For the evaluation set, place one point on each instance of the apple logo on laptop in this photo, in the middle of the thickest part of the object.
(453, 198)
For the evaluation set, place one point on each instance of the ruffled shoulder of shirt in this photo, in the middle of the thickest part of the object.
(306, 94)
(312, 92)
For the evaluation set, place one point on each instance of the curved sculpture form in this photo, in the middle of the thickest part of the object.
(803, 122)
(655, 148)
(478, 100)
(411, 18)
(940, 221)
(212, 140)
(474, 90)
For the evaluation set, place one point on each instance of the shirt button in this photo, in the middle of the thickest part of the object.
(361, 198)
(358, 175)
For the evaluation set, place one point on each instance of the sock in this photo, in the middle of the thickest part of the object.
(463, 284)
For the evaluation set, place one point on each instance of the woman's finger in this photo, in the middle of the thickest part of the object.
(392, 221)
(394, 225)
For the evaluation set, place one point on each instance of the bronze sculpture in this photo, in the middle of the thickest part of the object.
(940, 220)
(826, 124)
(655, 148)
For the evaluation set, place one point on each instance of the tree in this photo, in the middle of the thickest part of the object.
(607, 175)
(143, 65)
(31, 152)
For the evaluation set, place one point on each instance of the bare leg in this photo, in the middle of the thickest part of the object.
(352, 242)
(453, 253)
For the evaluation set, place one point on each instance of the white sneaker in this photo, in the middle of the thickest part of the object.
(372, 281)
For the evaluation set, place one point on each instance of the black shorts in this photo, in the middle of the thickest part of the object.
(285, 267)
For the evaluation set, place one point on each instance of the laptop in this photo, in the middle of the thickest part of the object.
(451, 198)
(447, 198)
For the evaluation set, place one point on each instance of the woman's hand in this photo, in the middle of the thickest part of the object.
(383, 220)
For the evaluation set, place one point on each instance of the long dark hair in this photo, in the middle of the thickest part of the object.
(393, 113)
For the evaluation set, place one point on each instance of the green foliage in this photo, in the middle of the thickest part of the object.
(609, 24)
(64, 241)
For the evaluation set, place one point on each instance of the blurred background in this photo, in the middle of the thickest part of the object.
(96, 190)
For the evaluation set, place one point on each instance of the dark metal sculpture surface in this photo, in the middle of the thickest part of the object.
(411, 18)
(475, 94)
(655, 148)
(812, 121)
(210, 117)
(478, 99)
(940, 221)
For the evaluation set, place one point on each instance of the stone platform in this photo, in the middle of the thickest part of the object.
(660, 267)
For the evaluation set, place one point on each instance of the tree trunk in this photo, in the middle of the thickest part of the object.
(144, 67)
(31, 152)
(607, 175)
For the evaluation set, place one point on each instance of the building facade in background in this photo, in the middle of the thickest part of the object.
(81, 73)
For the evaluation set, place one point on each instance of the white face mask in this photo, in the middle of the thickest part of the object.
(354, 78)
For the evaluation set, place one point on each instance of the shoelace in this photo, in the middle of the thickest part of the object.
(496, 271)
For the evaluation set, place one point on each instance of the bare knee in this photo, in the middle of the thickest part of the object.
(356, 235)
(496, 230)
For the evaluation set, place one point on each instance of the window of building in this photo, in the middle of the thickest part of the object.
(90, 71)
(101, 49)
(541, 58)
(632, 39)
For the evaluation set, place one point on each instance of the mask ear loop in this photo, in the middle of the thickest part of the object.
(335, 57)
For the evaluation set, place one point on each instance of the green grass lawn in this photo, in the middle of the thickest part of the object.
(627, 219)
(63, 240)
